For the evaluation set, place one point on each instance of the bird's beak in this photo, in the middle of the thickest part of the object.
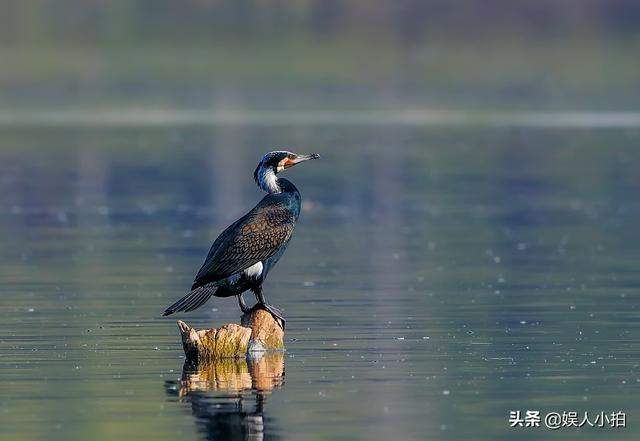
(300, 158)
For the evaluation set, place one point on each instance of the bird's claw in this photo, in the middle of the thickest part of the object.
(276, 313)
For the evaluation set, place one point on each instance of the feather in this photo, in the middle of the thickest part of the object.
(254, 238)
(191, 301)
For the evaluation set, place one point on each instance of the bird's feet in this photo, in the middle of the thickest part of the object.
(275, 312)
(243, 306)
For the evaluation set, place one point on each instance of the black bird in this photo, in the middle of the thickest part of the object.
(242, 256)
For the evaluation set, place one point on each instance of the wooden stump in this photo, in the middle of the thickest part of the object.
(260, 332)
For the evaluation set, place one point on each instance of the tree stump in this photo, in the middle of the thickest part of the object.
(260, 332)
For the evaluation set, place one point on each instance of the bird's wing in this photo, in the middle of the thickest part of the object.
(253, 238)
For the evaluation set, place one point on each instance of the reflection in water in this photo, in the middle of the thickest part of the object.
(237, 413)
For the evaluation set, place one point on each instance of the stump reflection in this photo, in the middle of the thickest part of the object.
(228, 396)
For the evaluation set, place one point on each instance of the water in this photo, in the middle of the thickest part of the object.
(438, 278)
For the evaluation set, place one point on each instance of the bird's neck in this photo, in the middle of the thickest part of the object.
(267, 180)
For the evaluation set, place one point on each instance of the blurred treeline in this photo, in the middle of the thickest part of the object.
(327, 54)
(405, 21)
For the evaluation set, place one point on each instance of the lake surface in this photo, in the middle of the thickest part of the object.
(439, 278)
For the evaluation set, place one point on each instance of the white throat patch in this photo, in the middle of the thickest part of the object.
(267, 180)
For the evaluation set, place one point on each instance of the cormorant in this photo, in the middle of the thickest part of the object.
(245, 252)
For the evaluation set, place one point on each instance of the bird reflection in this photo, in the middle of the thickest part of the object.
(228, 396)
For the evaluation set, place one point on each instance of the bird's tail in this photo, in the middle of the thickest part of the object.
(195, 299)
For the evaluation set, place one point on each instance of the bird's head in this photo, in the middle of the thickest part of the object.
(273, 163)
